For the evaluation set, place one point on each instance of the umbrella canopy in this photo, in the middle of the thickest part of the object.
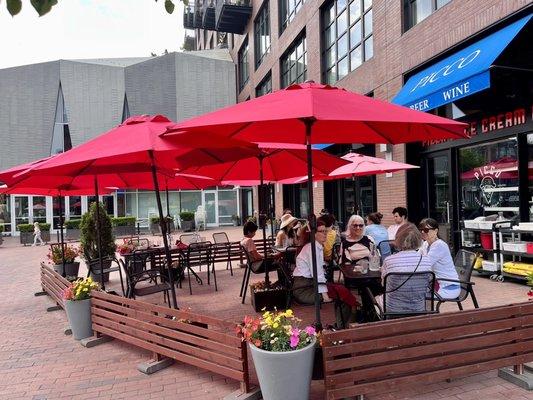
(504, 168)
(337, 116)
(39, 191)
(309, 113)
(277, 164)
(360, 165)
(6, 176)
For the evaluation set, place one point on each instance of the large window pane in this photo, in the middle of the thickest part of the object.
(190, 200)
(74, 207)
(417, 10)
(294, 64)
(289, 8)
(342, 23)
(355, 11)
(355, 34)
(5, 212)
(227, 205)
(262, 34)
(355, 58)
(243, 65)
(369, 48)
(368, 23)
(39, 209)
(131, 204)
(343, 67)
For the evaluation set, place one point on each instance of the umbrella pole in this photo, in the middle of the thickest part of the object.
(312, 219)
(261, 212)
(163, 225)
(168, 205)
(98, 238)
(61, 238)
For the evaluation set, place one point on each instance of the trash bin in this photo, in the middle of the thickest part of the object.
(486, 241)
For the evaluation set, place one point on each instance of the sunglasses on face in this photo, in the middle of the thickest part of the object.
(357, 225)
(425, 230)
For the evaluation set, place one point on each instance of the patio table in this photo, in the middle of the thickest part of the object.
(369, 281)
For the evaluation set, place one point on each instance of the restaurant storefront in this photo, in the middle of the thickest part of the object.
(488, 85)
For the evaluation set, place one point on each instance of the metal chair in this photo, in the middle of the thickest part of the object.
(406, 294)
(464, 264)
(198, 254)
(257, 267)
(189, 238)
(93, 268)
(222, 245)
(386, 248)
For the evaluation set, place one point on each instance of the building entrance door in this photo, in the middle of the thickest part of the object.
(439, 193)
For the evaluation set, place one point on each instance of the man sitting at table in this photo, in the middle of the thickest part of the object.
(303, 289)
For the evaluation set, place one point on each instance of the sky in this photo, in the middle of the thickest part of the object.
(77, 29)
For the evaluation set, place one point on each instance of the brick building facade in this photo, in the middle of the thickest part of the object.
(403, 37)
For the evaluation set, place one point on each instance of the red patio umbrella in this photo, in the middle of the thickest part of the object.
(310, 113)
(137, 147)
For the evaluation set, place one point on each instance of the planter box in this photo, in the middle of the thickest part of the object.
(187, 226)
(45, 235)
(71, 270)
(96, 269)
(72, 234)
(124, 230)
(270, 299)
(26, 238)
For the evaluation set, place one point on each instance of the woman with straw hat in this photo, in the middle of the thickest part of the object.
(286, 235)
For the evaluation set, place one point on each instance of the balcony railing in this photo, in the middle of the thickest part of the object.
(208, 10)
(232, 16)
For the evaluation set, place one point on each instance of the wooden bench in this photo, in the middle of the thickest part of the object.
(194, 339)
(53, 284)
(236, 254)
(382, 356)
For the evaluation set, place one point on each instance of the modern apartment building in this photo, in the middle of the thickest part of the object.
(464, 59)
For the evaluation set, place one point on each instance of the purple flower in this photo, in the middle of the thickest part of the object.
(310, 331)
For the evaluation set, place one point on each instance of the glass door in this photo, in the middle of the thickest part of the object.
(21, 210)
(439, 194)
(210, 206)
(39, 209)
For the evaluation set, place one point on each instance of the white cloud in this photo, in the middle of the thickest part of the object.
(89, 29)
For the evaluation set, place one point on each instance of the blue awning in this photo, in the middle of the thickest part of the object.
(459, 75)
(321, 146)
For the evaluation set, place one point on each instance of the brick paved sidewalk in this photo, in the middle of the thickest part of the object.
(37, 361)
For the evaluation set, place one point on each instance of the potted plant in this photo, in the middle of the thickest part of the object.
(187, 220)
(236, 219)
(89, 240)
(271, 296)
(282, 353)
(72, 229)
(156, 228)
(123, 226)
(71, 265)
(26, 233)
(1, 233)
(45, 231)
(78, 307)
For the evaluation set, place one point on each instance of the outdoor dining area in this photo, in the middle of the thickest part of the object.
(361, 338)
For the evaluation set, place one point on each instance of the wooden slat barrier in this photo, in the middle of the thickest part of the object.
(381, 356)
(195, 339)
(53, 284)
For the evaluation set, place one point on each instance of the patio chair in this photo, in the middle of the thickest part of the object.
(189, 238)
(386, 247)
(464, 263)
(200, 218)
(196, 255)
(406, 294)
(221, 247)
(257, 267)
(152, 280)
(334, 263)
(93, 268)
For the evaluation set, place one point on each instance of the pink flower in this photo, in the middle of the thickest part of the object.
(295, 337)
(310, 331)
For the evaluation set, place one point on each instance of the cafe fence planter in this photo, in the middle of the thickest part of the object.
(284, 375)
(71, 269)
(79, 318)
(26, 238)
(96, 270)
(269, 299)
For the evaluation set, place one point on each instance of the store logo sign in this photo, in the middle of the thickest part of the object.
(486, 176)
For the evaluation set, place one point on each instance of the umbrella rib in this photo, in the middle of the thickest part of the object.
(379, 133)
(240, 129)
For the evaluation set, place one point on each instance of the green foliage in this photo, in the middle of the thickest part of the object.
(123, 221)
(155, 220)
(44, 227)
(88, 238)
(25, 228)
(530, 279)
(470, 159)
(1, 228)
(73, 223)
(44, 6)
(187, 216)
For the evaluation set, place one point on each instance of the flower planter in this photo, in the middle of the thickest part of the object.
(45, 235)
(72, 234)
(96, 268)
(26, 238)
(71, 269)
(79, 318)
(284, 375)
(270, 299)
(127, 230)
(187, 226)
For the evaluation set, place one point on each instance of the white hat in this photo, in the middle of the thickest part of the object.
(286, 219)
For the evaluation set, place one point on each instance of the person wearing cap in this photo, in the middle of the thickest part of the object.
(286, 235)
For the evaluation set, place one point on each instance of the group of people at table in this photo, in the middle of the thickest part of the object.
(417, 249)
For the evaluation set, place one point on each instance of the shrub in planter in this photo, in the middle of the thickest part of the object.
(156, 228)
(45, 231)
(26, 233)
(187, 220)
(283, 354)
(73, 229)
(89, 240)
(71, 265)
(236, 220)
(124, 226)
(269, 297)
(78, 307)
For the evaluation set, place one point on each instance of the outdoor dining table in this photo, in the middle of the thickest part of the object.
(363, 282)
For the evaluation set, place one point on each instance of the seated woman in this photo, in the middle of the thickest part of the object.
(331, 236)
(286, 235)
(404, 293)
(439, 253)
(378, 232)
(356, 246)
(258, 262)
(303, 289)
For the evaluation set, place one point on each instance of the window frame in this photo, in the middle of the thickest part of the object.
(301, 39)
(266, 79)
(262, 21)
(242, 60)
(286, 14)
(408, 17)
(330, 14)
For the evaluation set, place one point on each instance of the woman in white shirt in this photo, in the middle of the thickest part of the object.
(303, 289)
(439, 253)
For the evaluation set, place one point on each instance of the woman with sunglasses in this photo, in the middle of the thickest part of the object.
(303, 289)
(356, 246)
(439, 253)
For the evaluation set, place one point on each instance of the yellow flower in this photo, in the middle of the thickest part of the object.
(275, 325)
(288, 313)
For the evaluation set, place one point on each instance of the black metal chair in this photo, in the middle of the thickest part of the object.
(464, 264)
(198, 254)
(152, 280)
(257, 267)
(93, 268)
(222, 247)
(406, 294)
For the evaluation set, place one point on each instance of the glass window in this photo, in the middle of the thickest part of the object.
(39, 209)
(190, 200)
(227, 206)
(131, 204)
(147, 204)
(5, 212)
(74, 207)
(354, 26)
(243, 65)
(262, 34)
(416, 11)
(489, 179)
(294, 63)
(265, 86)
(289, 8)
